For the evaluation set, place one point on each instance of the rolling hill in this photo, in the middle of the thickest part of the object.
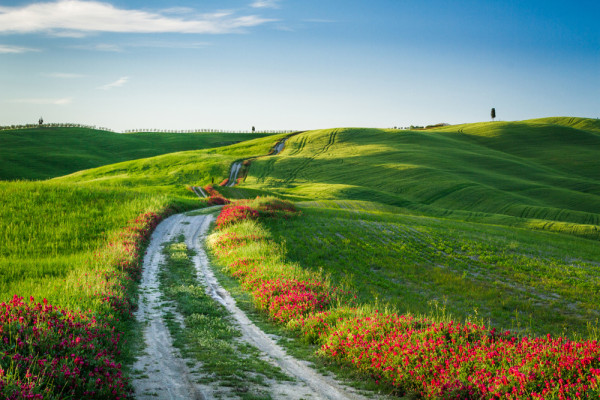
(538, 170)
(42, 153)
(174, 171)
(439, 222)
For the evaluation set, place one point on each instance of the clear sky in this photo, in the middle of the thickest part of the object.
(296, 64)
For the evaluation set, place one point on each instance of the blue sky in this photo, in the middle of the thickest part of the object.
(296, 64)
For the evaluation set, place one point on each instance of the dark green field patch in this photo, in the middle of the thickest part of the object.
(42, 153)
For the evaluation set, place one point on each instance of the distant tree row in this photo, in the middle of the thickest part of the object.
(413, 127)
(205, 130)
(54, 125)
(70, 125)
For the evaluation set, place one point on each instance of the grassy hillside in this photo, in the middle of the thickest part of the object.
(50, 230)
(298, 272)
(42, 153)
(50, 234)
(171, 173)
(518, 279)
(400, 217)
(539, 170)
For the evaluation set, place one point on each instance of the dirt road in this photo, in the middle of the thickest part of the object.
(161, 372)
(237, 166)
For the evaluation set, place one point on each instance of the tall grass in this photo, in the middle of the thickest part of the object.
(51, 232)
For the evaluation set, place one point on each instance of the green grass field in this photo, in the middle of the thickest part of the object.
(42, 153)
(533, 170)
(171, 173)
(50, 234)
(497, 181)
(531, 282)
(50, 230)
(496, 220)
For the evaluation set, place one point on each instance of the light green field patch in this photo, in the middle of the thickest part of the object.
(531, 282)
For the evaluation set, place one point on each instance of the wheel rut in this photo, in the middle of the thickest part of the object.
(293, 175)
(161, 372)
(237, 166)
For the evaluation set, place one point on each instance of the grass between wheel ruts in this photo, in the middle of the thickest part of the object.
(207, 334)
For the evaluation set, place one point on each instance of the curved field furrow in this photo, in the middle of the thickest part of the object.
(293, 175)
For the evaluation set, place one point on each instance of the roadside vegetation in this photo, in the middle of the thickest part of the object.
(531, 282)
(71, 257)
(425, 355)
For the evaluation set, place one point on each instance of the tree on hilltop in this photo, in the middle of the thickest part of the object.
(493, 113)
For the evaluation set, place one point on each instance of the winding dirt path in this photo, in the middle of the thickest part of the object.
(233, 174)
(237, 166)
(279, 147)
(163, 373)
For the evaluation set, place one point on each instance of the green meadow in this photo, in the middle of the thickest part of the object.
(51, 231)
(171, 173)
(541, 174)
(50, 234)
(498, 221)
(47, 152)
(511, 278)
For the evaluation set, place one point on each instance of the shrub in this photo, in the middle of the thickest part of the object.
(287, 299)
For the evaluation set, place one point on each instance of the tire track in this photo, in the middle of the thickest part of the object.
(235, 170)
(303, 164)
(161, 371)
(300, 146)
(199, 192)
